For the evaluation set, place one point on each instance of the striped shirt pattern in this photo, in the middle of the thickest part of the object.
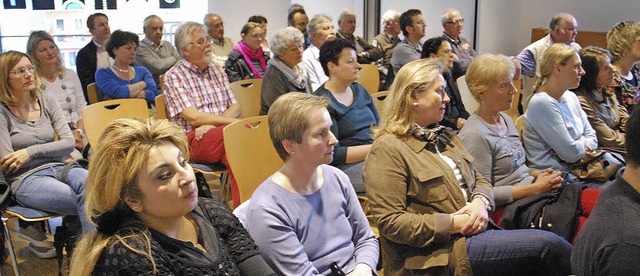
(185, 86)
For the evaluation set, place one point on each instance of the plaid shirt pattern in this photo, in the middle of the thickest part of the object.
(208, 91)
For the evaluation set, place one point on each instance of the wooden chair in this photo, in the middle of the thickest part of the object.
(251, 155)
(215, 169)
(370, 78)
(378, 101)
(92, 93)
(520, 126)
(98, 116)
(248, 94)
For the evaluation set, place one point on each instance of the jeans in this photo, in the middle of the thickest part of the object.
(43, 191)
(519, 252)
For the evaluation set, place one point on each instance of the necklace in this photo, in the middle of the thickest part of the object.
(120, 70)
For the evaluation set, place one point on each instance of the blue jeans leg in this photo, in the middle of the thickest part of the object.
(519, 252)
(43, 191)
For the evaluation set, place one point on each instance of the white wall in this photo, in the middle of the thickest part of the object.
(235, 14)
(498, 24)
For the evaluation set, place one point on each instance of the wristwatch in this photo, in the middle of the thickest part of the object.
(485, 200)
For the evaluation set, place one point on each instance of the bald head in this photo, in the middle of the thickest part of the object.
(564, 28)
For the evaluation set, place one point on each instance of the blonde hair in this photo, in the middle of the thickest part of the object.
(412, 77)
(118, 158)
(486, 70)
(288, 118)
(558, 53)
(32, 48)
(8, 60)
(621, 37)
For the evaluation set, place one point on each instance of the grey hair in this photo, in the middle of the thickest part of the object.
(283, 38)
(32, 47)
(389, 16)
(345, 12)
(558, 19)
(183, 32)
(316, 20)
(147, 20)
(445, 16)
(204, 20)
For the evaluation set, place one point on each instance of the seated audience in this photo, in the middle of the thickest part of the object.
(153, 53)
(320, 31)
(608, 243)
(455, 114)
(199, 99)
(463, 51)
(563, 28)
(556, 129)
(430, 204)
(94, 55)
(247, 60)
(306, 218)
(622, 41)
(121, 80)
(366, 52)
(350, 106)
(60, 82)
(387, 41)
(145, 166)
(263, 25)
(285, 71)
(220, 45)
(30, 154)
(413, 29)
(606, 116)
(490, 136)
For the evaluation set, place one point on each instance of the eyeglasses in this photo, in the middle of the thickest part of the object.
(203, 41)
(20, 72)
(459, 21)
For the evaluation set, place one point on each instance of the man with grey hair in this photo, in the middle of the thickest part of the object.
(199, 98)
(220, 45)
(366, 52)
(154, 53)
(386, 41)
(562, 29)
(452, 23)
(320, 30)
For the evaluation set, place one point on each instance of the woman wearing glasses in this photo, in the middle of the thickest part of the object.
(58, 81)
(247, 60)
(31, 157)
(120, 80)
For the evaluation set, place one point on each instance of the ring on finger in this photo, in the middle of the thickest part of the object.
(481, 225)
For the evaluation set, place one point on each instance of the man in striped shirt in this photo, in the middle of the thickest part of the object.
(199, 98)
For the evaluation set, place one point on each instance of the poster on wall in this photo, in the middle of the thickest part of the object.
(14, 4)
(169, 4)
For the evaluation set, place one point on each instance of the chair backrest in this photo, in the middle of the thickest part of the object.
(370, 78)
(378, 101)
(520, 126)
(470, 103)
(161, 107)
(98, 116)
(161, 81)
(92, 93)
(248, 94)
(252, 157)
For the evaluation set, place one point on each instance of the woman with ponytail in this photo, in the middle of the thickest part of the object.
(142, 197)
(247, 60)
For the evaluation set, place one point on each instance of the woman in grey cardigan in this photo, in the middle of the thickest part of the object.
(31, 158)
(285, 72)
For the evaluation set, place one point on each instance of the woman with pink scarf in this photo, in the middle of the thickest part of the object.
(246, 59)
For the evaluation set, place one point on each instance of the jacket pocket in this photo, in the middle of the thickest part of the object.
(431, 186)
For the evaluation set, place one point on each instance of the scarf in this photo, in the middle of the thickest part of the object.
(298, 80)
(250, 55)
(437, 134)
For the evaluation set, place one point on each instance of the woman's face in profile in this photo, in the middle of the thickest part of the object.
(317, 143)
(167, 183)
(430, 103)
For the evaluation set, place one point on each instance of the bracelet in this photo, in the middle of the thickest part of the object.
(485, 200)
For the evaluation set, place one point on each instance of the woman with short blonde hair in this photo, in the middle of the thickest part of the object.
(623, 40)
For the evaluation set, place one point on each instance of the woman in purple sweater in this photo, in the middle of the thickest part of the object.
(306, 218)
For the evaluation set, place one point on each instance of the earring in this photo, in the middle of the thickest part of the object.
(415, 103)
(136, 208)
(293, 152)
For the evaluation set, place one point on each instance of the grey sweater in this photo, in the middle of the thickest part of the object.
(36, 137)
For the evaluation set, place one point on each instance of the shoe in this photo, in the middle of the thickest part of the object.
(43, 252)
(35, 235)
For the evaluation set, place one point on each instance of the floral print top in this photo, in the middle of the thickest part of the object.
(626, 91)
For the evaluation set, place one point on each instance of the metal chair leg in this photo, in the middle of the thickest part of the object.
(14, 261)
